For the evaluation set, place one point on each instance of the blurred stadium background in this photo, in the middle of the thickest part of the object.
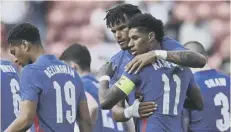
(62, 23)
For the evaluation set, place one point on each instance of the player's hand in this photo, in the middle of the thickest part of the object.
(107, 69)
(147, 109)
(137, 63)
(140, 109)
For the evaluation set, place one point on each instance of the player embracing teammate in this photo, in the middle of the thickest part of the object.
(52, 93)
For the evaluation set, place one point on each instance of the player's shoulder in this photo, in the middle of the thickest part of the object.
(5, 62)
(28, 69)
(171, 44)
(90, 81)
(90, 87)
(168, 39)
(223, 75)
(117, 55)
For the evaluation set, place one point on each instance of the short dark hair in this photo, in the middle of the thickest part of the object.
(198, 47)
(24, 31)
(148, 23)
(79, 54)
(117, 14)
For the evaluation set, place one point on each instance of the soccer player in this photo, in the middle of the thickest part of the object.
(162, 82)
(52, 93)
(117, 20)
(79, 58)
(215, 88)
(10, 94)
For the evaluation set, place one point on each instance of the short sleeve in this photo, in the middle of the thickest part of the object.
(29, 90)
(127, 83)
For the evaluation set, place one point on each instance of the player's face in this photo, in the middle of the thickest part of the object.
(120, 32)
(139, 42)
(21, 54)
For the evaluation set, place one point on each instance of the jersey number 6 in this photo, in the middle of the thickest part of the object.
(14, 85)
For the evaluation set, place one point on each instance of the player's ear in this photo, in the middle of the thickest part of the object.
(25, 45)
(151, 36)
(73, 65)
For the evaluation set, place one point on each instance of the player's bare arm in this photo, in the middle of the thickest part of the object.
(145, 109)
(107, 95)
(118, 115)
(83, 117)
(93, 108)
(110, 96)
(137, 109)
(118, 112)
(26, 117)
(181, 57)
(194, 100)
(186, 58)
(186, 120)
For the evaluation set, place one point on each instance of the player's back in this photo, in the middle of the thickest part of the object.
(59, 88)
(166, 84)
(215, 117)
(104, 122)
(10, 96)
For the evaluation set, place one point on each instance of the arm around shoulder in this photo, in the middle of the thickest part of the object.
(186, 58)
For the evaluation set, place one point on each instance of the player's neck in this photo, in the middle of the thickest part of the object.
(206, 67)
(38, 51)
(84, 73)
(156, 46)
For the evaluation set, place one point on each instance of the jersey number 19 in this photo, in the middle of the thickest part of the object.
(69, 92)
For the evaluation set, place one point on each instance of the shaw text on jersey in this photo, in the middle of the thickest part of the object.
(215, 82)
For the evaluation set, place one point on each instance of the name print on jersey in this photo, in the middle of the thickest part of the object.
(162, 63)
(7, 68)
(57, 69)
(215, 82)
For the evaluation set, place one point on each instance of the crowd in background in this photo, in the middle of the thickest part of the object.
(64, 23)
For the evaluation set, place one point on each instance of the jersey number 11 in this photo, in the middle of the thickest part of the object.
(166, 98)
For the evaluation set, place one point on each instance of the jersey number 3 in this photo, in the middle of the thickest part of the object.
(69, 92)
(221, 100)
(166, 98)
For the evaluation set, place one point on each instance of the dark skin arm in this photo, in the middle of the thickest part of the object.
(194, 100)
(184, 58)
(110, 97)
(145, 108)
(83, 117)
(118, 112)
(186, 121)
(26, 117)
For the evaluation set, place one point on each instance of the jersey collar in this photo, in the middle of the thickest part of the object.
(47, 57)
(89, 76)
